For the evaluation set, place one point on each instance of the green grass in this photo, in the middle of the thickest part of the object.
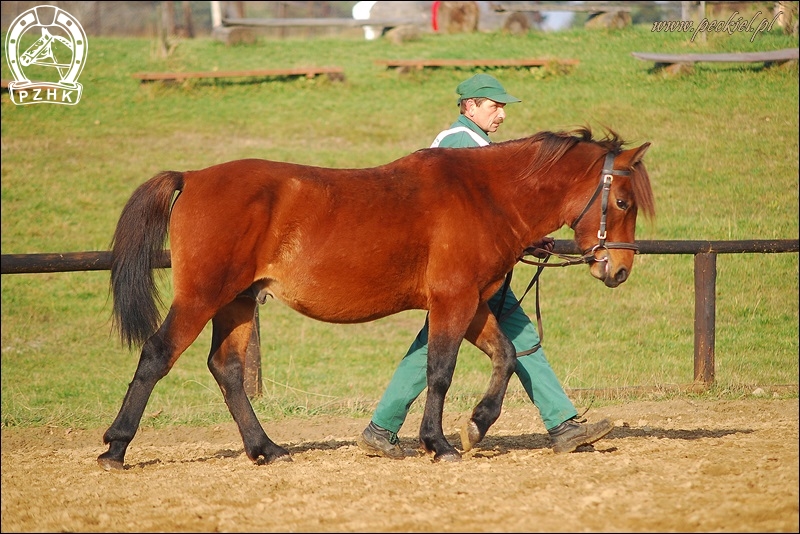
(723, 163)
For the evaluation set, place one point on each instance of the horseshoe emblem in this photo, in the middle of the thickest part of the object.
(53, 26)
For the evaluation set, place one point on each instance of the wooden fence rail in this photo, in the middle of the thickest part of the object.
(705, 276)
(321, 22)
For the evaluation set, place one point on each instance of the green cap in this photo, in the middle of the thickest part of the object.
(483, 85)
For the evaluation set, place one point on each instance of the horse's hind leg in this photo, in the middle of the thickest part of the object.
(485, 333)
(233, 326)
(159, 353)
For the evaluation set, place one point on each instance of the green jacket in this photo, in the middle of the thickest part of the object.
(462, 133)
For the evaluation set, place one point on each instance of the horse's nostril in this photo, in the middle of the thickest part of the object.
(621, 275)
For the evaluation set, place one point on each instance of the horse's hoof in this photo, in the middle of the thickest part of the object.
(449, 456)
(470, 435)
(271, 456)
(110, 464)
(267, 460)
(282, 458)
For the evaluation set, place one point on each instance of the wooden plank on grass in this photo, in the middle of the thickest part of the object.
(435, 63)
(308, 72)
(786, 54)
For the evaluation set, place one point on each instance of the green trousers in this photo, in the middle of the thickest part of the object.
(533, 370)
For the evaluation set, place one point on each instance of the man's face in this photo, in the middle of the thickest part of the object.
(488, 115)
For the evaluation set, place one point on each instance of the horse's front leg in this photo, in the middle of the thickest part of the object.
(232, 328)
(446, 327)
(484, 332)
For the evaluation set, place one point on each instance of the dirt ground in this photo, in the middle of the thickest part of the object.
(668, 466)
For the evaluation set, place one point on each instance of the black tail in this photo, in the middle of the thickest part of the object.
(137, 245)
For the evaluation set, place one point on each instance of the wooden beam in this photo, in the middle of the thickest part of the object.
(101, 260)
(590, 7)
(787, 54)
(322, 22)
(422, 63)
(308, 72)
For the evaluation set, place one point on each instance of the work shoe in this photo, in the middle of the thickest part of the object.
(572, 434)
(377, 441)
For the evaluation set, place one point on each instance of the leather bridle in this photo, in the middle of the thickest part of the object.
(589, 256)
(606, 177)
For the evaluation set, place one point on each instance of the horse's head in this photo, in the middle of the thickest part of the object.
(605, 228)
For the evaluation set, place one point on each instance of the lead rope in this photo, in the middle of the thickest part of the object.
(500, 315)
(580, 418)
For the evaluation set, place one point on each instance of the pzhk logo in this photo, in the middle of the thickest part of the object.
(59, 51)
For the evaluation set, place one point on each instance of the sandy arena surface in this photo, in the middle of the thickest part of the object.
(668, 466)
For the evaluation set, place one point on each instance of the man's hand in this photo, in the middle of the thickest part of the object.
(542, 248)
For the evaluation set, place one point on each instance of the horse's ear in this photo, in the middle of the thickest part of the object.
(637, 157)
(634, 155)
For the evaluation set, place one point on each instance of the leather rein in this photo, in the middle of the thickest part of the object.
(588, 256)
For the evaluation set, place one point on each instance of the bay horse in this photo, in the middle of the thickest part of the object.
(436, 230)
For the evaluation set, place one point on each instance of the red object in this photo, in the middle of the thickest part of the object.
(434, 20)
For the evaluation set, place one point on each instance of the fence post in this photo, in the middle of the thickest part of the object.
(252, 361)
(705, 287)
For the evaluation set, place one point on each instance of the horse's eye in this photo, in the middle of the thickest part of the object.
(621, 204)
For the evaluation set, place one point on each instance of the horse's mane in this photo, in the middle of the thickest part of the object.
(555, 144)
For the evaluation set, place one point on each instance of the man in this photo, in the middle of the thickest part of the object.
(482, 102)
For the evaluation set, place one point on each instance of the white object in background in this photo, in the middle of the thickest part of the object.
(361, 12)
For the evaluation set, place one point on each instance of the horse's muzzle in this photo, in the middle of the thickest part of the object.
(603, 270)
